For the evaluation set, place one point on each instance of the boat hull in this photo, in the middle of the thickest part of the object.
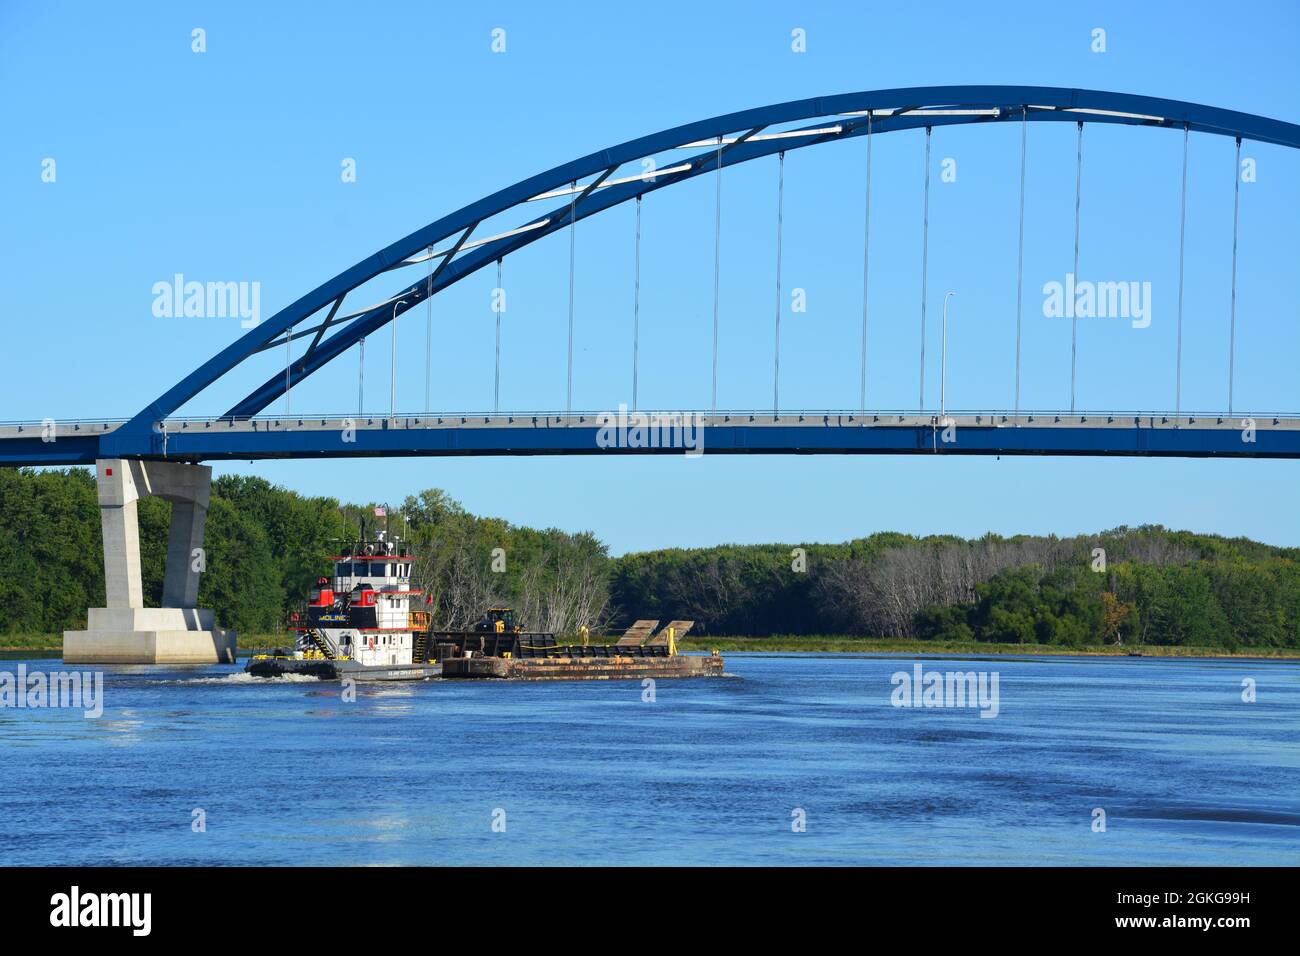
(582, 668)
(339, 670)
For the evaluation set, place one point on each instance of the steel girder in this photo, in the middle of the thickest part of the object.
(271, 438)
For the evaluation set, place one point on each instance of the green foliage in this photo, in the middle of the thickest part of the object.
(1028, 606)
(1227, 603)
(243, 580)
(51, 560)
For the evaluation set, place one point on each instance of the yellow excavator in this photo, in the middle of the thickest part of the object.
(499, 620)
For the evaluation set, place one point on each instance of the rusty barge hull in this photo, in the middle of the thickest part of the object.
(581, 668)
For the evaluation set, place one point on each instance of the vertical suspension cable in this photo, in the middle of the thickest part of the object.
(361, 380)
(780, 211)
(1182, 229)
(866, 278)
(636, 303)
(1020, 253)
(496, 375)
(428, 332)
(1232, 314)
(1074, 299)
(573, 224)
(717, 268)
(925, 255)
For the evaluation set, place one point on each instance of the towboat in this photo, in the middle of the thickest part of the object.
(358, 624)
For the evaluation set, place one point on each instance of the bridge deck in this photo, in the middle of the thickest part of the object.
(596, 433)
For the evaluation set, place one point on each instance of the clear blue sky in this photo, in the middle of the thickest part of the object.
(226, 166)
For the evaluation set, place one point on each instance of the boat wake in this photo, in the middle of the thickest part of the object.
(242, 677)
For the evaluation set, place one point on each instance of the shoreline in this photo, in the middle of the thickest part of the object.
(856, 645)
(826, 644)
(833, 644)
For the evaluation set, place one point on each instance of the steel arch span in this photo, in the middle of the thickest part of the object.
(588, 185)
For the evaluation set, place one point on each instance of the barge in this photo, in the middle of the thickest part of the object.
(518, 656)
(578, 663)
(359, 626)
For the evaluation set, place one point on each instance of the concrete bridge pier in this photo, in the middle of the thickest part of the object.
(127, 632)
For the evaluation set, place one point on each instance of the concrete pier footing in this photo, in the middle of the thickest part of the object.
(127, 632)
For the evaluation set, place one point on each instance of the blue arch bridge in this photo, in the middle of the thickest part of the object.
(158, 452)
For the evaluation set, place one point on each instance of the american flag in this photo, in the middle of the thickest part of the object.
(381, 511)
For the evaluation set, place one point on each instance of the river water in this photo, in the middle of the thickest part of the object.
(792, 759)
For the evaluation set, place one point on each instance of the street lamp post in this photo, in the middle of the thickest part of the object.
(392, 382)
(943, 364)
(288, 338)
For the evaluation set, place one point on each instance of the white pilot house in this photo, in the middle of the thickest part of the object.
(364, 613)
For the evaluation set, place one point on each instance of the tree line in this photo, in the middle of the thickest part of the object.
(1145, 585)
(266, 545)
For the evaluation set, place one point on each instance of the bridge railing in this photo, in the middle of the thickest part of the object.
(556, 418)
